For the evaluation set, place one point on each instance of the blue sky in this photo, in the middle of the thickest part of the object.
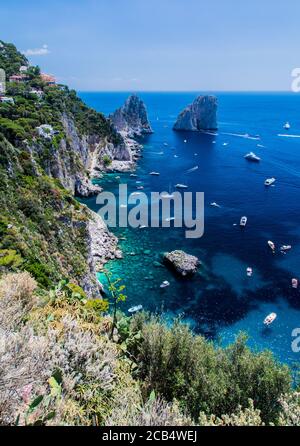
(141, 45)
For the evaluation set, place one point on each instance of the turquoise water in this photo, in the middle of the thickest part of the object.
(220, 301)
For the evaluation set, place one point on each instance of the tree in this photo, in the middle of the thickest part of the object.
(117, 296)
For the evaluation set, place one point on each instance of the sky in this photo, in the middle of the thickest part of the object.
(159, 45)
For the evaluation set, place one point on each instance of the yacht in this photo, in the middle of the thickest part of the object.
(181, 186)
(287, 126)
(243, 221)
(249, 271)
(285, 248)
(252, 157)
(214, 204)
(165, 284)
(270, 181)
(135, 309)
(272, 245)
(154, 173)
(295, 283)
(270, 319)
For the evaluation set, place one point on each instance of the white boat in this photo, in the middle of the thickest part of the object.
(295, 283)
(272, 245)
(154, 173)
(135, 193)
(181, 186)
(243, 221)
(249, 271)
(140, 187)
(193, 169)
(165, 284)
(166, 196)
(284, 248)
(175, 156)
(142, 227)
(170, 219)
(133, 175)
(225, 144)
(185, 141)
(252, 157)
(270, 319)
(270, 181)
(287, 126)
(214, 204)
(165, 144)
(135, 309)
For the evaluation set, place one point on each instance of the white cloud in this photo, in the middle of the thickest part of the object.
(43, 51)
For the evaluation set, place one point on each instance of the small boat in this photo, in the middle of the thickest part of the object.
(135, 309)
(165, 144)
(181, 186)
(243, 221)
(140, 187)
(175, 156)
(142, 227)
(225, 144)
(138, 182)
(170, 219)
(295, 283)
(252, 157)
(135, 193)
(165, 284)
(249, 271)
(195, 154)
(123, 206)
(166, 196)
(193, 169)
(185, 141)
(154, 173)
(270, 319)
(272, 245)
(270, 181)
(285, 248)
(117, 178)
(287, 126)
(214, 204)
(133, 175)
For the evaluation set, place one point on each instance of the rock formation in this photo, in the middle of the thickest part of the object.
(200, 115)
(184, 264)
(131, 119)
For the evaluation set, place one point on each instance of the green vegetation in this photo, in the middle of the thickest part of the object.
(69, 371)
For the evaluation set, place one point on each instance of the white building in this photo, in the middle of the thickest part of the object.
(46, 131)
(7, 100)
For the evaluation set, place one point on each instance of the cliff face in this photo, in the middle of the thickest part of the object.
(200, 115)
(131, 119)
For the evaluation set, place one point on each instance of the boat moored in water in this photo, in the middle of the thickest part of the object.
(181, 186)
(270, 181)
(287, 126)
(135, 309)
(272, 245)
(270, 319)
(252, 157)
(249, 271)
(243, 221)
(295, 283)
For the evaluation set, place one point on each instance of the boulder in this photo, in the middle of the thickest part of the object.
(183, 263)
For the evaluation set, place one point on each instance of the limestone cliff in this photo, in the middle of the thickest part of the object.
(200, 115)
(131, 119)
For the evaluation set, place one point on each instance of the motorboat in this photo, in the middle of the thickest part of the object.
(133, 175)
(166, 196)
(185, 141)
(170, 219)
(154, 173)
(135, 309)
(285, 248)
(243, 221)
(193, 169)
(295, 283)
(270, 181)
(181, 186)
(270, 319)
(249, 271)
(287, 126)
(165, 284)
(252, 157)
(140, 187)
(272, 245)
(214, 204)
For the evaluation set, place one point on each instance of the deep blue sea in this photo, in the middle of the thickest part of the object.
(220, 301)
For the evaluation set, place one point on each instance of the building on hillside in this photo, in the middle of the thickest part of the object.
(38, 93)
(18, 78)
(7, 100)
(23, 69)
(46, 131)
(48, 79)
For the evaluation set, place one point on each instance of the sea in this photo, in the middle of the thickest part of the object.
(220, 301)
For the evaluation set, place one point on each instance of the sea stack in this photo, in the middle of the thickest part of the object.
(198, 116)
(131, 119)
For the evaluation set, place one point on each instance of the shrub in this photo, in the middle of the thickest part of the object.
(179, 365)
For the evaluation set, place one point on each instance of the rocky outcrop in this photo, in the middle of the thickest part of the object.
(131, 119)
(200, 115)
(184, 264)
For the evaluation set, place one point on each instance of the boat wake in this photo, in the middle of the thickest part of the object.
(288, 136)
